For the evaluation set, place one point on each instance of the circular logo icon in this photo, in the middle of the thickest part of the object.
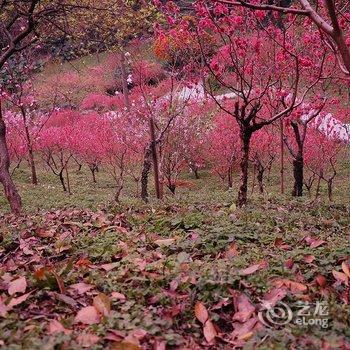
(278, 315)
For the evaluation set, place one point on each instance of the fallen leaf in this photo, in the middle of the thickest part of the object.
(314, 242)
(245, 308)
(115, 335)
(341, 277)
(294, 287)
(164, 242)
(201, 312)
(118, 296)
(321, 280)
(279, 243)
(57, 327)
(17, 301)
(345, 268)
(44, 233)
(86, 340)
(289, 263)
(273, 297)
(138, 333)
(309, 259)
(66, 299)
(124, 345)
(209, 331)
(251, 269)
(102, 304)
(242, 329)
(18, 285)
(81, 287)
(109, 267)
(87, 315)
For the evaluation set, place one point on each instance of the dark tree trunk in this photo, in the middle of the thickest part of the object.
(146, 168)
(32, 167)
(298, 173)
(229, 178)
(172, 187)
(153, 148)
(260, 178)
(60, 175)
(93, 169)
(68, 181)
(330, 189)
(5, 178)
(194, 169)
(243, 189)
(118, 192)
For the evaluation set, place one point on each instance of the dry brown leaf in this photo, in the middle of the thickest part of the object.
(87, 315)
(345, 268)
(309, 258)
(124, 345)
(273, 297)
(102, 304)
(209, 331)
(245, 308)
(201, 312)
(321, 280)
(86, 340)
(17, 301)
(341, 277)
(109, 267)
(57, 327)
(251, 269)
(18, 285)
(118, 296)
(294, 287)
(81, 288)
(164, 242)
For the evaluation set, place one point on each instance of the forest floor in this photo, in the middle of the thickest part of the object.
(192, 272)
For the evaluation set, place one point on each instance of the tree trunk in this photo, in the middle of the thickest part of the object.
(155, 159)
(172, 187)
(68, 181)
(260, 178)
(282, 157)
(60, 175)
(298, 173)
(243, 189)
(5, 178)
(93, 169)
(146, 168)
(229, 178)
(194, 169)
(32, 167)
(330, 189)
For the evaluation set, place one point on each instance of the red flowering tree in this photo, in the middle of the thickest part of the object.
(321, 155)
(265, 71)
(330, 20)
(224, 147)
(263, 154)
(56, 144)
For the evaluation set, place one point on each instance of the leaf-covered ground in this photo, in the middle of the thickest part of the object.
(174, 276)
